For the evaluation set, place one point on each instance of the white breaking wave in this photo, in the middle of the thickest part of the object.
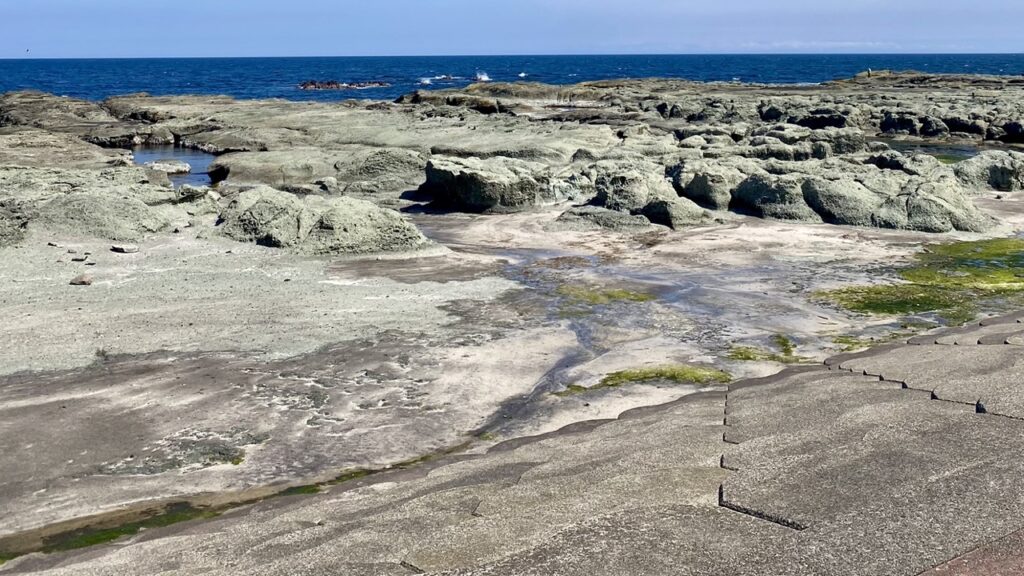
(426, 81)
(522, 74)
(482, 77)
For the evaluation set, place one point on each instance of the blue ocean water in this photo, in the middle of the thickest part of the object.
(279, 77)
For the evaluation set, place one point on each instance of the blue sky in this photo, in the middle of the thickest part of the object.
(122, 28)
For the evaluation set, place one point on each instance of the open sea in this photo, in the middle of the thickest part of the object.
(279, 77)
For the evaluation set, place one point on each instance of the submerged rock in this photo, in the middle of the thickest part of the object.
(169, 166)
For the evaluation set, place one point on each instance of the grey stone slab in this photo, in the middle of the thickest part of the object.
(1005, 556)
(923, 525)
(869, 453)
(991, 376)
(817, 397)
(681, 540)
(991, 334)
(1017, 317)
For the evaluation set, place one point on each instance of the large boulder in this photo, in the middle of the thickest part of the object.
(992, 169)
(267, 217)
(770, 196)
(676, 214)
(99, 215)
(932, 207)
(595, 217)
(712, 186)
(317, 225)
(629, 186)
(843, 201)
(496, 184)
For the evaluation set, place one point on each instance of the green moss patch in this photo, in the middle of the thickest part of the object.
(786, 353)
(949, 158)
(601, 296)
(350, 475)
(678, 373)
(85, 537)
(297, 490)
(953, 281)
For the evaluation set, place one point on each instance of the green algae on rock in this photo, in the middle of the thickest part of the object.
(173, 514)
(677, 373)
(785, 355)
(601, 296)
(953, 281)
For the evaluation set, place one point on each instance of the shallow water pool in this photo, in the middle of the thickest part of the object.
(200, 162)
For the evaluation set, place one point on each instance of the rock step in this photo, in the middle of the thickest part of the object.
(984, 334)
(986, 376)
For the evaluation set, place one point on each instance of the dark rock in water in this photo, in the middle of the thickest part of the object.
(335, 85)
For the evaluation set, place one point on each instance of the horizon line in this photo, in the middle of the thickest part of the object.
(579, 54)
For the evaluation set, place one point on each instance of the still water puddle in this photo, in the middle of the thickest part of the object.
(199, 161)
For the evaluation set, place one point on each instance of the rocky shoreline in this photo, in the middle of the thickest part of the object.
(368, 283)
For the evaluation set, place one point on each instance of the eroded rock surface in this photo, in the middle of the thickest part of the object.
(593, 230)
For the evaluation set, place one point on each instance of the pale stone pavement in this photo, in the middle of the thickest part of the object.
(904, 460)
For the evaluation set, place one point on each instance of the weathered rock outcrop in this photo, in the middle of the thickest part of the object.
(317, 225)
(496, 184)
(996, 170)
(595, 217)
(37, 148)
(122, 204)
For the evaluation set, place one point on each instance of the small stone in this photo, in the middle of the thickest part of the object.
(79, 258)
(124, 248)
(82, 280)
(53, 244)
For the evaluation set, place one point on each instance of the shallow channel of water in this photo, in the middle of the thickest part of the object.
(199, 161)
